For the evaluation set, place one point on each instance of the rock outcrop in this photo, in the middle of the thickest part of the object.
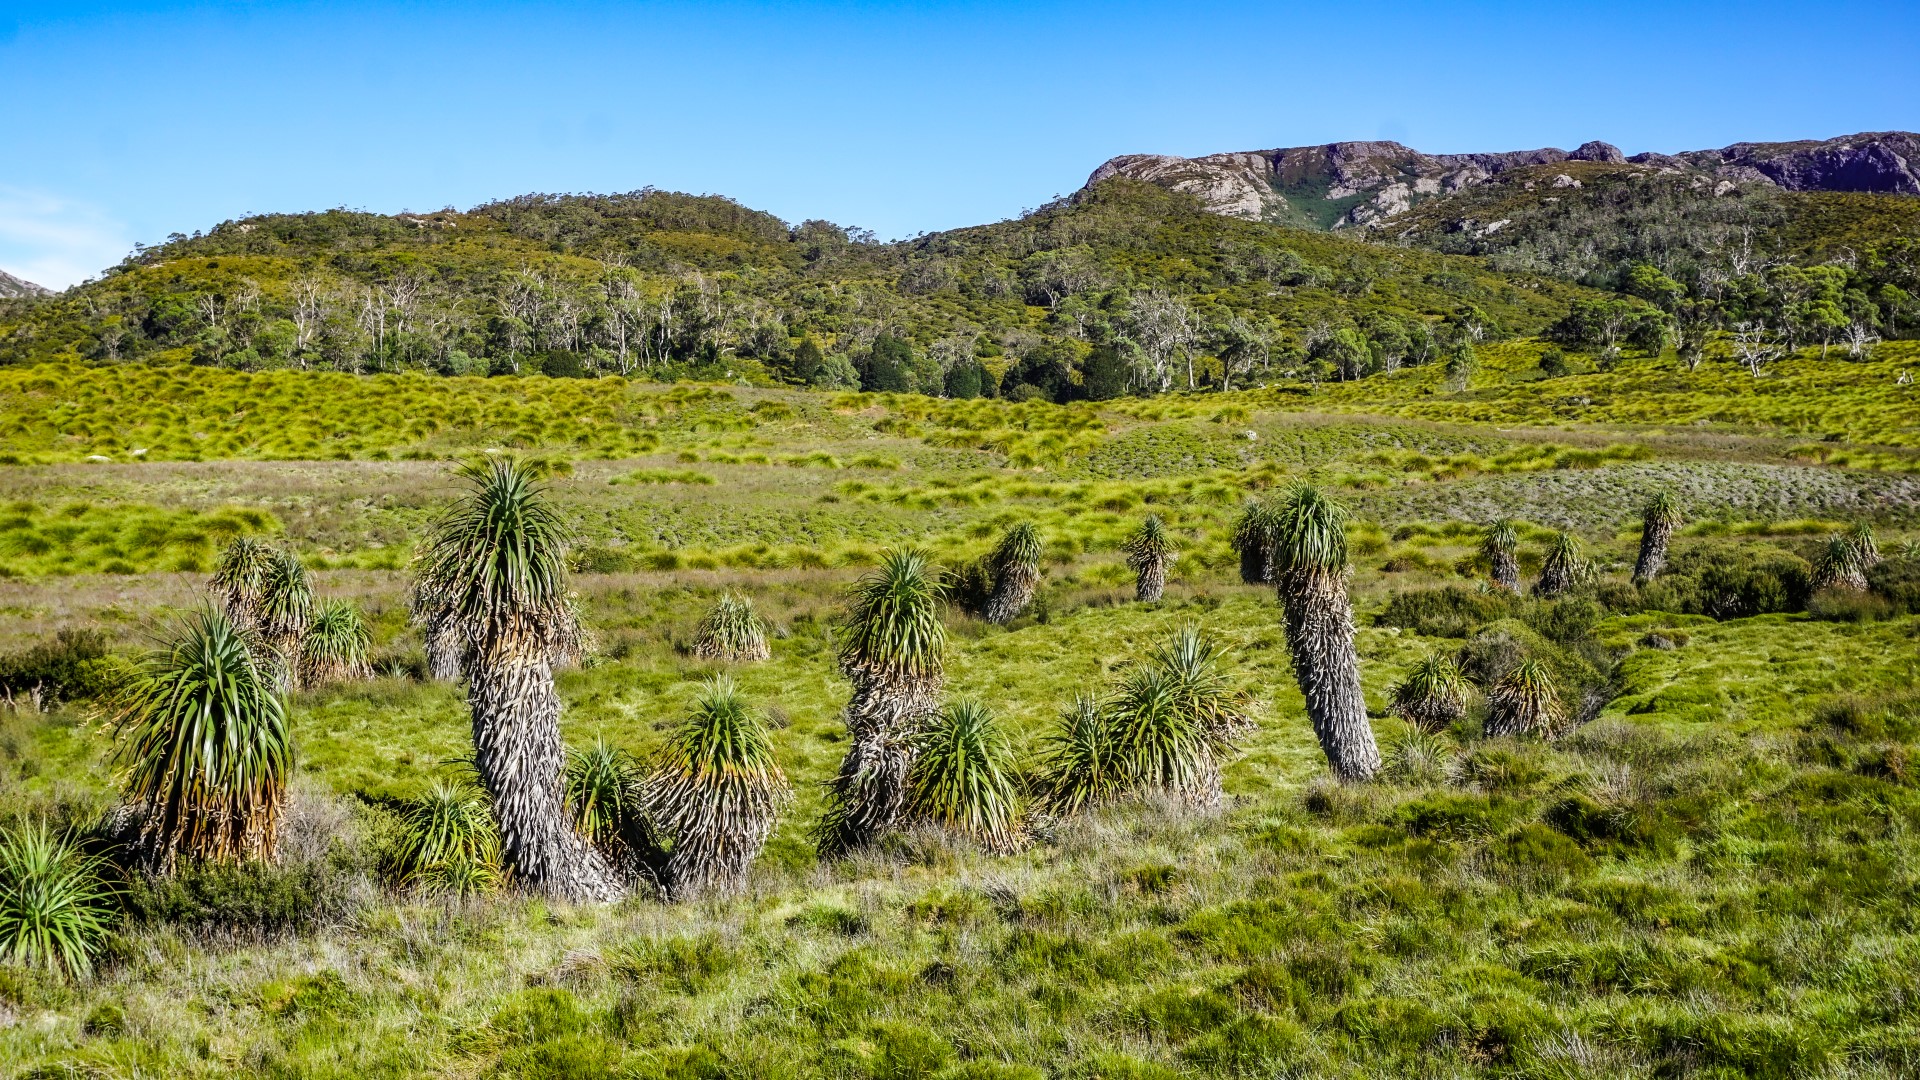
(12, 287)
(1366, 183)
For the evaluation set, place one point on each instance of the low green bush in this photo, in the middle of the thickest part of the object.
(1449, 611)
(254, 899)
(1897, 581)
(1731, 581)
(73, 665)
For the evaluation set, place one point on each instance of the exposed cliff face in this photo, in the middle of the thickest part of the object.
(12, 287)
(1365, 183)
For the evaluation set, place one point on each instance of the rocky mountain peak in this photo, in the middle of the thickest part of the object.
(1348, 184)
(12, 287)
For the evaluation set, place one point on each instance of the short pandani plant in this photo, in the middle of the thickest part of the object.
(1254, 535)
(449, 843)
(336, 645)
(732, 632)
(1843, 563)
(605, 791)
(1524, 701)
(1150, 551)
(1080, 766)
(1563, 567)
(55, 907)
(1500, 547)
(1014, 568)
(962, 778)
(1433, 696)
(714, 793)
(204, 739)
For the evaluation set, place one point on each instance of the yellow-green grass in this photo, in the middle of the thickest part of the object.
(81, 538)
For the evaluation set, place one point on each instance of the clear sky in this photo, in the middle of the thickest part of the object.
(123, 122)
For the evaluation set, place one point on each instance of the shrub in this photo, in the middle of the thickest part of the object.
(54, 909)
(71, 666)
(1897, 581)
(1731, 581)
(252, 898)
(1449, 611)
(1851, 605)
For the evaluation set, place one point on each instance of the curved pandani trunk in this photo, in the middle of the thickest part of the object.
(517, 751)
(1152, 581)
(1327, 666)
(1012, 592)
(1654, 537)
(869, 793)
(1506, 569)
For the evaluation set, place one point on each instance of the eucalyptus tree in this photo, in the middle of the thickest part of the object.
(893, 651)
(1500, 546)
(1253, 537)
(1563, 567)
(1432, 696)
(495, 571)
(1150, 551)
(1524, 701)
(1657, 522)
(715, 793)
(1014, 568)
(962, 778)
(1310, 565)
(203, 736)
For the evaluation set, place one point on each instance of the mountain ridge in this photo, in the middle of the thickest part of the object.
(14, 288)
(1364, 183)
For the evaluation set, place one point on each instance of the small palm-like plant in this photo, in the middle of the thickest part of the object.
(1432, 696)
(962, 778)
(1657, 523)
(204, 739)
(604, 790)
(1253, 538)
(1310, 558)
(495, 572)
(1563, 567)
(715, 792)
(1525, 702)
(1839, 566)
(1079, 766)
(1149, 552)
(1160, 745)
(449, 843)
(336, 645)
(1014, 567)
(1500, 546)
(55, 910)
(237, 579)
(284, 612)
(732, 631)
(1192, 660)
(893, 651)
(1866, 549)
(1910, 551)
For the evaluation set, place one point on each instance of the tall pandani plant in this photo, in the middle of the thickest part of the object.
(202, 734)
(1562, 569)
(336, 646)
(1500, 547)
(495, 570)
(732, 631)
(1150, 551)
(1657, 523)
(715, 793)
(1433, 696)
(893, 647)
(1311, 568)
(1524, 701)
(962, 778)
(237, 579)
(1014, 568)
(285, 610)
(1254, 533)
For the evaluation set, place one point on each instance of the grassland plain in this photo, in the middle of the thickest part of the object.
(1715, 875)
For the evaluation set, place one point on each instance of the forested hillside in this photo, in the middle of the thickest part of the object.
(1125, 287)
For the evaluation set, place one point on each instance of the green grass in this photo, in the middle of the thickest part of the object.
(1713, 877)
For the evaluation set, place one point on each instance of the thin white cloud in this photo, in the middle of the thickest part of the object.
(57, 242)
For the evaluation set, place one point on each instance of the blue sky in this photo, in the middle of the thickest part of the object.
(124, 122)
